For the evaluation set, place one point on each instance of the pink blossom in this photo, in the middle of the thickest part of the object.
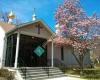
(72, 19)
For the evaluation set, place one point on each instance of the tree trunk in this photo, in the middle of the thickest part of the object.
(79, 60)
(81, 63)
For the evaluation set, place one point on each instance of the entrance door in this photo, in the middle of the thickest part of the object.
(27, 56)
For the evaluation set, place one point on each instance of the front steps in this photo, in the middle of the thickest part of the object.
(40, 73)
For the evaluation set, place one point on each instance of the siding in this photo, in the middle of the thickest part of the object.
(69, 59)
(32, 30)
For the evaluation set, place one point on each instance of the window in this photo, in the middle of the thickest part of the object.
(62, 53)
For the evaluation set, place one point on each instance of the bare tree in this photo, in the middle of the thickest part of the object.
(5, 18)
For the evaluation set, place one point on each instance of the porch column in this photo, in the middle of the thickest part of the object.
(17, 50)
(52, 55)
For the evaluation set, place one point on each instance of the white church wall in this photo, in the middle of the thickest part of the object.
(49, 53)
(87, 59)
(70, 60)
(2, 35)
(49, 50)
(57, 53)
(68, 57)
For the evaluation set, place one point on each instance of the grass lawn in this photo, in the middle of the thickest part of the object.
(6, 75)
(88, 74)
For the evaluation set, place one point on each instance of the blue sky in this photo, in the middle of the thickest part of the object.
(45, 9)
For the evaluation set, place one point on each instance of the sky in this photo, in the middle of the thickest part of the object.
(44, 9)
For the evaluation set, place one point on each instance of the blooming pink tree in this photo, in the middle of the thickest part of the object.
(75, 29)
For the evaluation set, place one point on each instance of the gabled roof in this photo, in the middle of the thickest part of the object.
(6, 27)
(29, 23)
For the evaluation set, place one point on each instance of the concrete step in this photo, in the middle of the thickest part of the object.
(33, 76)
(36, 68)
(32, 72)
(41, 73)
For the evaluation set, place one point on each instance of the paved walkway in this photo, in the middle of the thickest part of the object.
(65, 78)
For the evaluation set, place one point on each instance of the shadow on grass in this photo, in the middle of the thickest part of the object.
(89, 74)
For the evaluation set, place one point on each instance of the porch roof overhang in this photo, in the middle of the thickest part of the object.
(23, 25)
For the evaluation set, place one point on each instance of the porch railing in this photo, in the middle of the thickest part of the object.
(24, 68)
(57, 63)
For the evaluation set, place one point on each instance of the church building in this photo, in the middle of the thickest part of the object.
(30, 44)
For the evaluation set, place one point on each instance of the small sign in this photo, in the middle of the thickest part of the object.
(39, 51)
